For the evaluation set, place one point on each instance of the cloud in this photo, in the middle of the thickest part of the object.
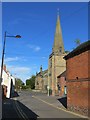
(43, 57)
(34, 48)
(22, 69)
(19, 69)
(10, 59)
(37, 48)
(19, 72)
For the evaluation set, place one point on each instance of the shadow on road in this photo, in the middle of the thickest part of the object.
(63, 101)
(29, 113)
(11, 110)
(15, 94)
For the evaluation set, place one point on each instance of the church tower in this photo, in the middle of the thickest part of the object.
(57, 64)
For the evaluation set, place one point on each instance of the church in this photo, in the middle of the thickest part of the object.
(47, 80)
(56, 64)
(41, 80)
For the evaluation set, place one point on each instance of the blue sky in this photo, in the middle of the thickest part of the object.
(36, 23)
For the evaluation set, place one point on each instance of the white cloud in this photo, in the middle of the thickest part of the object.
(20, 72)
(22, 69)
(11, 59)
(37, 48)
(34, 48)
(43, 57)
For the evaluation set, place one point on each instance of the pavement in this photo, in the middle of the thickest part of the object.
(53, 100)
(56, 102)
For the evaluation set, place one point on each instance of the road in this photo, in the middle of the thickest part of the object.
(37, 105)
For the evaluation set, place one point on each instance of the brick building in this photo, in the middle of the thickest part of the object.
(62, 84)
(78, 79)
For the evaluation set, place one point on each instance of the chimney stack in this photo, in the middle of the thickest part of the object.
(4, 67)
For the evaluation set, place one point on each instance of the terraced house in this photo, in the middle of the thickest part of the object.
(8, 83)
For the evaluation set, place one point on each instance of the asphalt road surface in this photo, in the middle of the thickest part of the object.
(31, 105)
(37, 108)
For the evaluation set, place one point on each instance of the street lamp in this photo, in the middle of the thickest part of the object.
(3, 52)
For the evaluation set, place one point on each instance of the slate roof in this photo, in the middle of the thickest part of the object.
(78, 50)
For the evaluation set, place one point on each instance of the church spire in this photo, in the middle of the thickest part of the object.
(58, 12)
(58, 46)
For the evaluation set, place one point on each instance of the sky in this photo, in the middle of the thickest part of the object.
(36, 23)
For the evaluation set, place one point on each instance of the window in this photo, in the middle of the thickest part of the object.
(65, 90)
(37, 83)
(60, 49)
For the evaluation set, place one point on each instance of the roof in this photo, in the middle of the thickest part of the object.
(62, 74)
(43, 72)
(78, 50)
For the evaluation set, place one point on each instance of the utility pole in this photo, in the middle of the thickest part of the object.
(3, 52)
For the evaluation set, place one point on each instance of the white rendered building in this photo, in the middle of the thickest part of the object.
(9, 81)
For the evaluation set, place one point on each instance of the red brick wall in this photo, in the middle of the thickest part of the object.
(77, 89)
(4, 90)
(62, 83)
(78, 66)
(77, 96)
(89, 63)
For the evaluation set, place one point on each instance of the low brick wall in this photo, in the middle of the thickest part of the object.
(78, 96)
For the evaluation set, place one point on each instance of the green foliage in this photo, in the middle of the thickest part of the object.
(31, 82)
(28, 82)
(67, 51)
(18, 84)
(24, 87)
(77, 41)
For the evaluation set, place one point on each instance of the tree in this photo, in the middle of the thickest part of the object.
(28, 82)
(18, 84)
(67, 51)
(77, 41)
(31, 82)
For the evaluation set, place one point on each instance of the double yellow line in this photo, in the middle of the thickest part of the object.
(19, 111)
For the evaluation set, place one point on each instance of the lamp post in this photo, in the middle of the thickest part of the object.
(3, 52)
